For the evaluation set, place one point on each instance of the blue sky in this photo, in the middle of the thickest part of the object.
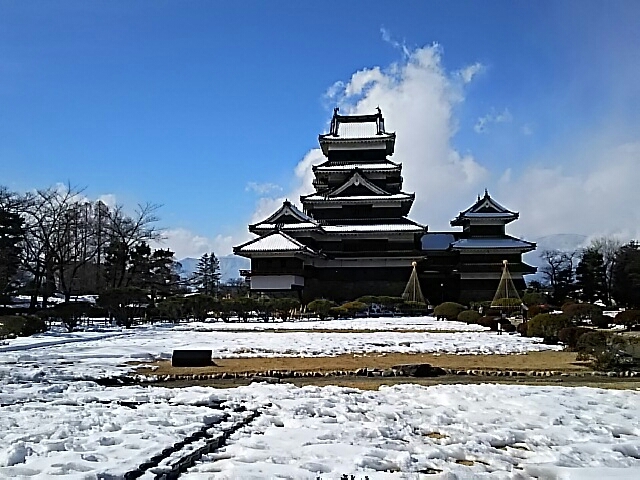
(213, 111)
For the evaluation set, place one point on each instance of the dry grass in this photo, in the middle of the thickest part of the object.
(558, 361)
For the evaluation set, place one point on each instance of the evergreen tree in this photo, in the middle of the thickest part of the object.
(206, 278)
(11, 236)
(590, 276)
(626, 276)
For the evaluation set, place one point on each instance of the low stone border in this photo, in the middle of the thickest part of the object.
(275, 376)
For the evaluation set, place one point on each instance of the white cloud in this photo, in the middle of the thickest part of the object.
(593, 192)
(262, 188)
(599, 196)
(388, 38)
(186, 243)
(109, 199)
(417, 97)
(482, 125)
(527, 129)
(468, 73)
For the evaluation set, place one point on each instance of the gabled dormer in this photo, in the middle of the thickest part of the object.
(486, 217)
(287, 217)
(357, 184)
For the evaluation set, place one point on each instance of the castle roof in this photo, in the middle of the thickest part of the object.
(357, 131)
(480, 243)
(274, 242)
(288, 215)
(485, 210)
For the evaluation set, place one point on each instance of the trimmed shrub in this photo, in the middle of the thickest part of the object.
(534, 298)
(353, 308)
(21, 325)
(469, 316)
(570, 335)
(580, 312)
(390, 302)
(592, 341)
(284, 306)
(522, 329)
(339, 312)
(69, 313)
(320, 307)
(413, 308)
(600, 321)
(448, 310)
(628, 318)
(489, 322)
(536, 310)
(508, 327)
(605, 349)
(547, 326)
(368, 299)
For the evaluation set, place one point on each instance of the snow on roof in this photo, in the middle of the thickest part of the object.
(395, 196)
(357, 130)
(509, 242)
(361, 166)
(485, 208)
(274, 242)
(286, 226)
(380, 227)
(357, 179)
(289, 209)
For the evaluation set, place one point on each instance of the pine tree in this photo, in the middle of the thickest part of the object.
(626, 276)
(590, 276)
(11, 235)
(206, 278)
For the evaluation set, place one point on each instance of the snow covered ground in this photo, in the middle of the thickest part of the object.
(105, 353)
(53, 423)
(369, 323)
(82, 430)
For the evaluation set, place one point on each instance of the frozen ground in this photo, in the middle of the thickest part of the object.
(82, 430)
(90, 355)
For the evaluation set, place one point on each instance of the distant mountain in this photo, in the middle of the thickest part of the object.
(230, 266)
(565, 242)
(562, 241)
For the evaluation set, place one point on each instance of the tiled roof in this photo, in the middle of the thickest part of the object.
(380, 227)
(357, 179)
(273, 242)
(357, 130)
(485, 208)
(395, 196)
(289, 209)
(285, 226)
(482, 243)
(361, 166)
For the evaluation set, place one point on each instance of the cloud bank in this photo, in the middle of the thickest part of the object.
(592, 191)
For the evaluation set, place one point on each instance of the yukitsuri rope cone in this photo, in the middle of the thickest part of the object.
(413, 292)
(506, 297)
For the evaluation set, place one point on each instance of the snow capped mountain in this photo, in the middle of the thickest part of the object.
(230, 266)
(565, 242)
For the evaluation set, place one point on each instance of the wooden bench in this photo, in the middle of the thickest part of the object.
(191, 358)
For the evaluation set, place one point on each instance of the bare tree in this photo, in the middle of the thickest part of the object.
(124, 233)
(558, 272)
